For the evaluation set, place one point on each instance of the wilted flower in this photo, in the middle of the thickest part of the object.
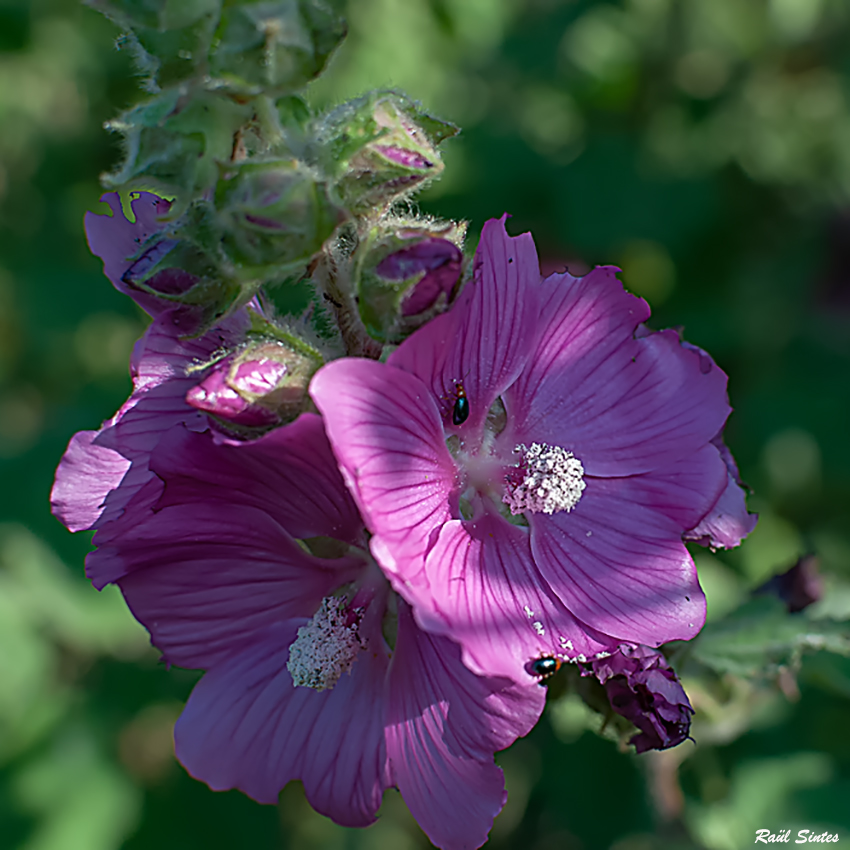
(643, 688)
(117, 240)
(160, 273)
(798, 587)
(248, 561)
(528, 467)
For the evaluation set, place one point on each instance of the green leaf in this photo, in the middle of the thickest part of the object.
(175, 141)
(761, 636)
(171, 38)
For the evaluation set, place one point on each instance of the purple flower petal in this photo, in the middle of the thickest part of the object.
(89, 488)
(86, 475)
(728, 522)
(386, 434)
(206, 595)
(617, 560)
(487, 337)
(246, 726)
(484, 591)
(214, 395)
(438, 261)
(115, 240)
(623, 405)
(443, 725)
(404, 157)
(290, 473)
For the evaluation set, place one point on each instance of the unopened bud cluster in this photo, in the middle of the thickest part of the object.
(262, 194)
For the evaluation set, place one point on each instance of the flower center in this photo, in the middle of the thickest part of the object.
(546, 480)
(326, 647)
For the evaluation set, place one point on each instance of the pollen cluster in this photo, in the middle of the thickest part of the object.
(548, 479)
(325, 648)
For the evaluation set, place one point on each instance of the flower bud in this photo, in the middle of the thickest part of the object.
(406, 275)
(643, 688)
(379, 148)
(180, 273)
(261, 386)
(273, 213)
(175, 141)
(275, 47)
(171, 40)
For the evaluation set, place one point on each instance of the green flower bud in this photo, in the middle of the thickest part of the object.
(171, 38)
(274, 215)
(406, 274)
(380, 148)
(274, 47)
(174, 142)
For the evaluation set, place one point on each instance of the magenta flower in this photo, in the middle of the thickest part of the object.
(102, 470)
(528, 464)
(251, 567)
(643, 688)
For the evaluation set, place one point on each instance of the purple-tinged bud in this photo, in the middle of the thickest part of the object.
(798, 587)
(642, 687)
(149, 271)
(435, 263)
(274, 214)
(215, 395)
(178, 273)
(406, 273)
(263, 385)
(379, 148)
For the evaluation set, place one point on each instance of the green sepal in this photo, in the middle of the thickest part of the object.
(171, 38)
(263, 328)
(174, 142)
(157, 14)
(273, 46)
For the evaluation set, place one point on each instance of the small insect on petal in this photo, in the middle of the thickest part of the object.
(545, 667)
(460, 411)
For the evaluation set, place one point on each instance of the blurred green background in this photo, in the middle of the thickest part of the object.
(702, 145)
